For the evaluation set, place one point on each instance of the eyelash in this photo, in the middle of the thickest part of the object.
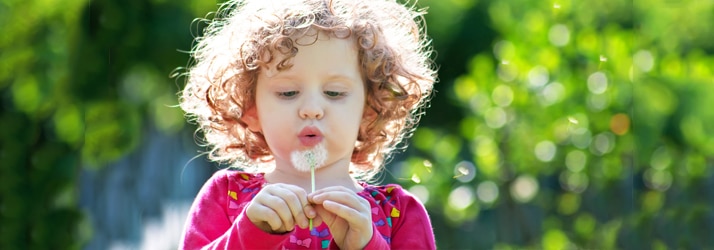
(335, 94)
(287, 94)
(292, 94)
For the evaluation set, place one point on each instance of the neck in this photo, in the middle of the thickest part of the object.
(335, 174)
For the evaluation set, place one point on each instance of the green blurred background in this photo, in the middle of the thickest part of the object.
(557, 124)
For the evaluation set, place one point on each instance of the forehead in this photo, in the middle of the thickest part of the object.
(317, 53)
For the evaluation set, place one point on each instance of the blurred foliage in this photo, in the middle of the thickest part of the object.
(78, 84)
(557, 124)
(583, 124)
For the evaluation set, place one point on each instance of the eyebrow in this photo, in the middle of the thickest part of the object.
(356, 78)
(330, 76)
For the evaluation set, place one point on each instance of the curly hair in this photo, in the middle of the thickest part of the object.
(243, 37)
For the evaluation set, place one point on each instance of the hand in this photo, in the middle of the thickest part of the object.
(278, 208)
(348, 216)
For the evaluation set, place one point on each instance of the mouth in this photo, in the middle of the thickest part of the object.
(310, 136)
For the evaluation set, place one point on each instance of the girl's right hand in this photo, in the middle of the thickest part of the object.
(278, 208)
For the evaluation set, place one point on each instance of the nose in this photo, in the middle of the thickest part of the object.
(311, 109)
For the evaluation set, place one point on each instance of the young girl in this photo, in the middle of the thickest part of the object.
(281, 87)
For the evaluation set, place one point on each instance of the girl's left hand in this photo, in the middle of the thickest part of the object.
(348, 216)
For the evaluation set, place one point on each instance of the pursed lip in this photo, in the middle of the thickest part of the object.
(310, 136)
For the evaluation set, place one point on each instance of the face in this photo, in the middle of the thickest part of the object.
(317, 102)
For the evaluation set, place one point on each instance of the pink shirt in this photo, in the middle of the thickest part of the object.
(217, 219)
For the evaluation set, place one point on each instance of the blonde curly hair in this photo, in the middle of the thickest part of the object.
(394, 59)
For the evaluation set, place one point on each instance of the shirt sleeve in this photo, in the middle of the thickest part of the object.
(413, 230)
(209, 227)
(377, 242)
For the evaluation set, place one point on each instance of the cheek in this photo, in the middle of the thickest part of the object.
(276, 138)
(271, 111)
(274, 123)
(355, 119)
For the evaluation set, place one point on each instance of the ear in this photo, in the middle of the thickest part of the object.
(250, 117)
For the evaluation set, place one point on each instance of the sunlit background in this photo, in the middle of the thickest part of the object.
(556, 124)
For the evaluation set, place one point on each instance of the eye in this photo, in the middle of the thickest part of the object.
(287, 94)
(335, 93)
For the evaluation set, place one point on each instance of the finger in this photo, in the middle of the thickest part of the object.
(309, 211)
(299, 193)
(332, 190)
(282, 210)
(348, 198)
(269, 219)
(296, 200)
(317, 220)
(322, 216)
(356, 219)
(261, 214)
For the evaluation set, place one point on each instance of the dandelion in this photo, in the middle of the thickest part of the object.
(308, 160)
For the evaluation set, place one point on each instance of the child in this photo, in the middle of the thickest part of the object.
(280, 87)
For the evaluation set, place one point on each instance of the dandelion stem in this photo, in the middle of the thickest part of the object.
(311, 159)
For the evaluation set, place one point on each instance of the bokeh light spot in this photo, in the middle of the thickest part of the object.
(581, 138)
(555, 240)
(461, 197)
(552, 93)
(620, 124)
(575, 182)
(559, 35)
(496, 117)
(504, 50)
(464, 171)
(568, 203)
(488, 155)
(446, 148)
(644, 60)
(507, 71)
(538, 77)
(69, 124)
(657, 179)
(424, 139)
(27, 94)
(465, 88)
(421, 192)
(696, 165)
(585, 224)
(167, 116)
(598, 102)
(603, 143)
(545, 151)
(597, 83)
(661, 159)
(576, 160)
(502, 95)
(524, 188)
(479, 103)
(487, 191)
